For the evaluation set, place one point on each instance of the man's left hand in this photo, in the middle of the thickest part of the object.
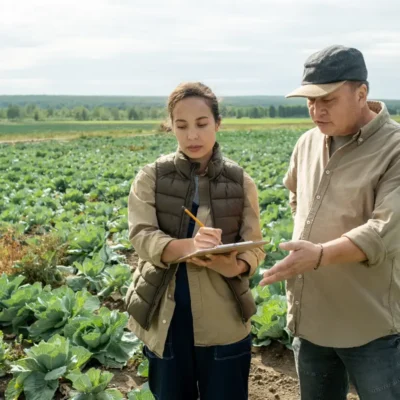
(303, 257)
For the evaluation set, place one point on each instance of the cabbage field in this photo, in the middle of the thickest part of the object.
(66, 261)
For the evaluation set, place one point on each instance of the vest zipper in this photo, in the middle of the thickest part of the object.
(167, 275)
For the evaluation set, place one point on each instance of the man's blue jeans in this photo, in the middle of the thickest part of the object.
(374, 369)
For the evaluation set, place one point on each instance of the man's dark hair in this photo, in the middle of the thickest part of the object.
(356, 84)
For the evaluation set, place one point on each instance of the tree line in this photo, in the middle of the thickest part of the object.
(138, 113)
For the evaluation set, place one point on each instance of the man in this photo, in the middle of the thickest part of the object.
(343, 270)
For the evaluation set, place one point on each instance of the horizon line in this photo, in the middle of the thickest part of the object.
(220, 97)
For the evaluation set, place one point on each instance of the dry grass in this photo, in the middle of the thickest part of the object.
(11, 250)
(36, 256)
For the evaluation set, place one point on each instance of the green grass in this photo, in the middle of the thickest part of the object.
(74, 126)
(262, 123)
(266, 121)
(22, 131)
(16, 131)
(73, 129)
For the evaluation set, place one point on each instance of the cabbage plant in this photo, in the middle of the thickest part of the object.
(38, 375)
(105, 336)
(92, 385)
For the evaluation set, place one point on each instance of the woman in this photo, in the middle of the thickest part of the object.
(193, 317)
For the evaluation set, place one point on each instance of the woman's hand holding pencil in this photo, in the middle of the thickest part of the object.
(226, 265)
(205, 237)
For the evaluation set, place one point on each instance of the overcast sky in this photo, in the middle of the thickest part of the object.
(146, 47)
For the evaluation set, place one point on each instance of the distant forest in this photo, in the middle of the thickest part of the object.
(121, 108)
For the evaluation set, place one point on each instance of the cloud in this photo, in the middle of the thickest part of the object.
(24, 86)
(148, 46)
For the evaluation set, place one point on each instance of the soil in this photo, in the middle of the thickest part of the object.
(273, 375)
(126, 380)
(131, 258)
(115, 302)
(26, 139)
(3, 384)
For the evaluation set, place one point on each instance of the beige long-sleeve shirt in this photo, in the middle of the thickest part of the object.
(216, 320)
(354, 193)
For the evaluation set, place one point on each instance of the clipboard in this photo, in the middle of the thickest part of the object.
(223, 249)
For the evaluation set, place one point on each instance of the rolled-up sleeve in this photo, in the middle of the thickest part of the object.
(250, 229)
(379, 237)
(144, 233)
(290, 181)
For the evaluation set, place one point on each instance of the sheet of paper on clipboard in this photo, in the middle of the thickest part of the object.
(223, 249)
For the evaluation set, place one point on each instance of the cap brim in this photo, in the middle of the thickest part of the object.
(315, 90)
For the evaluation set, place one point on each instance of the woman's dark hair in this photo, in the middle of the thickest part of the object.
(192, 89)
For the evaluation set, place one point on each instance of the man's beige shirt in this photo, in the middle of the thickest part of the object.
(355, 194)
(216, 318)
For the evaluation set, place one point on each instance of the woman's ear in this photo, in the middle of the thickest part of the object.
(218, 124)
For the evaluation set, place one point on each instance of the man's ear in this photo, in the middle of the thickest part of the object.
(362, 94)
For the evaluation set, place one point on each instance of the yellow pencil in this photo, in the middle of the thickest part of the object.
(193, 217)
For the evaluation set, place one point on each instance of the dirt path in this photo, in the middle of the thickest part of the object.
(33, 140)
(68, 138)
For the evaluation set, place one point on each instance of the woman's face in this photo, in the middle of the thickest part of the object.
(195, 128)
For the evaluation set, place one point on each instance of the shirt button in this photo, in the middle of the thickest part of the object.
(164, 321)
(170, 296)
(318, 197)
(308, 222)
(360, 140)
(297, 303)
(327, 172)
(299, 276)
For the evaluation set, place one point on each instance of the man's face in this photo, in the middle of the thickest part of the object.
(339, 113)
